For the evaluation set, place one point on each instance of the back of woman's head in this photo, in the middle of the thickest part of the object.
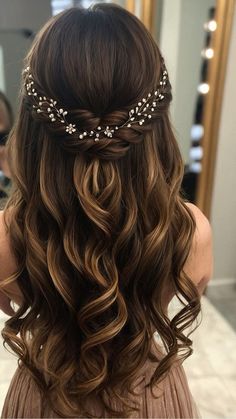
(98, 225)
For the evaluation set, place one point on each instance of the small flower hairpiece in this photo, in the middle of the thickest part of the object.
(143, 110)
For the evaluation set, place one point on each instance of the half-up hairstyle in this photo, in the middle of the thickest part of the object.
(100, 230)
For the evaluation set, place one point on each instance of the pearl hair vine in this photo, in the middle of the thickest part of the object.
(143, 110)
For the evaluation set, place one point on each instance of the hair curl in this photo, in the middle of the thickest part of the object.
(100, 230)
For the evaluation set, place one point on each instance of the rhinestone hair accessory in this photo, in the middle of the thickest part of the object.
(137, 115)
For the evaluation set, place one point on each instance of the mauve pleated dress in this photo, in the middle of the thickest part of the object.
(174, 400)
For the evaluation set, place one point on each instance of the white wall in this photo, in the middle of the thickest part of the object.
(24, 13)
(169, 44)
(223, 212)
(2, 75)
(15, 15)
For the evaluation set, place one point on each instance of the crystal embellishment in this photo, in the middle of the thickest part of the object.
(137, 115)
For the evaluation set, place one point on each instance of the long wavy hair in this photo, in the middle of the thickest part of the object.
(100, 230)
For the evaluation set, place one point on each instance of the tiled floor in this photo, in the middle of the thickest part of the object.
(223, 297)
(211, 369)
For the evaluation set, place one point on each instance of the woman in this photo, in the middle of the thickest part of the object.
(6, 120)
(96, 236)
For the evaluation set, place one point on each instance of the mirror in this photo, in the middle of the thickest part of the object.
(189, 52)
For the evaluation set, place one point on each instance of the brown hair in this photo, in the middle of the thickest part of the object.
(100, 230)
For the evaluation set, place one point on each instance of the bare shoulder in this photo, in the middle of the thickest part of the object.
(7, 262)
(199, 264)
(3, 233)
(8, 265)
(203, 227)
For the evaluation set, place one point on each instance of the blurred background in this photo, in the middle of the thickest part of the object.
(198, 41)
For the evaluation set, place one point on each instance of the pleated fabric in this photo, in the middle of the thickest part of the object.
(171, 398)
